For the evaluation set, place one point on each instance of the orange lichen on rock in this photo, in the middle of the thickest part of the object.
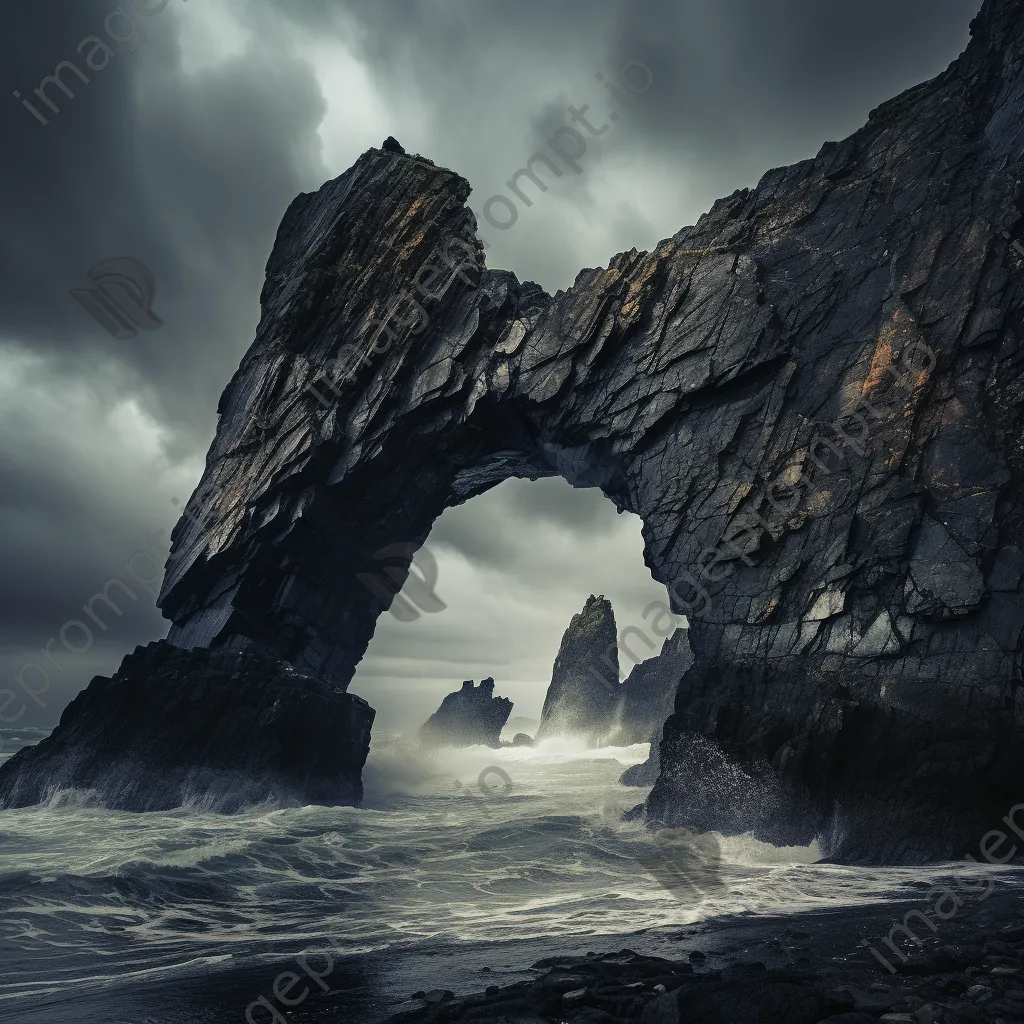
(895, 334)
(420, 222)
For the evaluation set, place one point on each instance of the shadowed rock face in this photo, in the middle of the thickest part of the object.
(648, 697)
(470, 716)
(225, 727)
(583, 697)
(648, 693)
(857, 646)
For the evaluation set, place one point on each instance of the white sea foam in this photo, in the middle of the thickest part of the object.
(443, 849)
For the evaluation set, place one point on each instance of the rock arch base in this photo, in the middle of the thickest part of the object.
(857, 644)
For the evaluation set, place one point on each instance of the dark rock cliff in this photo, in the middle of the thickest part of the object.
(648, 693)
(583, 696)
(813, 398)
(223, 728)
(472, 715)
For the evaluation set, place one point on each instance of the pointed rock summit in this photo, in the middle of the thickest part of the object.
(583, 697)
(468, 717)
(586, 699)
(648, 698)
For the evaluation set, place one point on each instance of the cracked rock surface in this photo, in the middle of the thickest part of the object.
(856, 642)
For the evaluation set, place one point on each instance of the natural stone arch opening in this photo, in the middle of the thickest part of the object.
(306, 600)
(513, 567)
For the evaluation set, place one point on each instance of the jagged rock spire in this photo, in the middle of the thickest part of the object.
(583, 698)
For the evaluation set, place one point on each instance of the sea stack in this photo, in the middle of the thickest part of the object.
(649, 692)
(649, 695)
(586, 699)
(583, 698)
(469, 717)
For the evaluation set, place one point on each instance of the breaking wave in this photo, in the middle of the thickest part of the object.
(444, 849)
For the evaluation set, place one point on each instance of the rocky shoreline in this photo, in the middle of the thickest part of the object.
(807, 968)
(224, 728)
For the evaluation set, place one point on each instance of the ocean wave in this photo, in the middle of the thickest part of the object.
(440, 852)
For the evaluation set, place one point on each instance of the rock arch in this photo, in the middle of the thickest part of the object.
(814, 395)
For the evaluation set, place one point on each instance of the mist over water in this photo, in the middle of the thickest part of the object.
(91, 897)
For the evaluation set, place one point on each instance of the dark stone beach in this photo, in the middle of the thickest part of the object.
(803, 969)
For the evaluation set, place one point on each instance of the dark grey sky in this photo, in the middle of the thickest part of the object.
(183, 152)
